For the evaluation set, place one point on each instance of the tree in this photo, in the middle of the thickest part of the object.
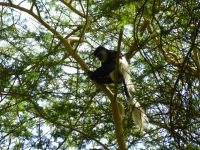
(47, 100)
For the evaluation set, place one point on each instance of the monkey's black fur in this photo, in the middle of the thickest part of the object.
(109, 73)
(106, 73)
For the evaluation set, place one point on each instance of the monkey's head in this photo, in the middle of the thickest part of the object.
(101, 53)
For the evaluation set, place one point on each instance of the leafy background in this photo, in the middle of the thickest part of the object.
(47, 100)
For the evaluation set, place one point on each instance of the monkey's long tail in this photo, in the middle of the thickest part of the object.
(137, 112)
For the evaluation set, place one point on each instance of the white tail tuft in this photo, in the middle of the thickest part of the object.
(138, 113)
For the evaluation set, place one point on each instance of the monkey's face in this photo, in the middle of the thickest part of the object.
(101, 55)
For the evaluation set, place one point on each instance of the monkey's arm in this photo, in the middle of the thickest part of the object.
(101, 74)
(103, 80)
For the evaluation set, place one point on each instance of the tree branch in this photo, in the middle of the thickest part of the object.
(134, 47)
(73, 9)
(72, 53)
(116, 107)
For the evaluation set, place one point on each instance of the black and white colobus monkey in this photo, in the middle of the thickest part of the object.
(106, 74)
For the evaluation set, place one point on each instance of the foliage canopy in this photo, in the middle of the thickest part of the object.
(47, 100)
